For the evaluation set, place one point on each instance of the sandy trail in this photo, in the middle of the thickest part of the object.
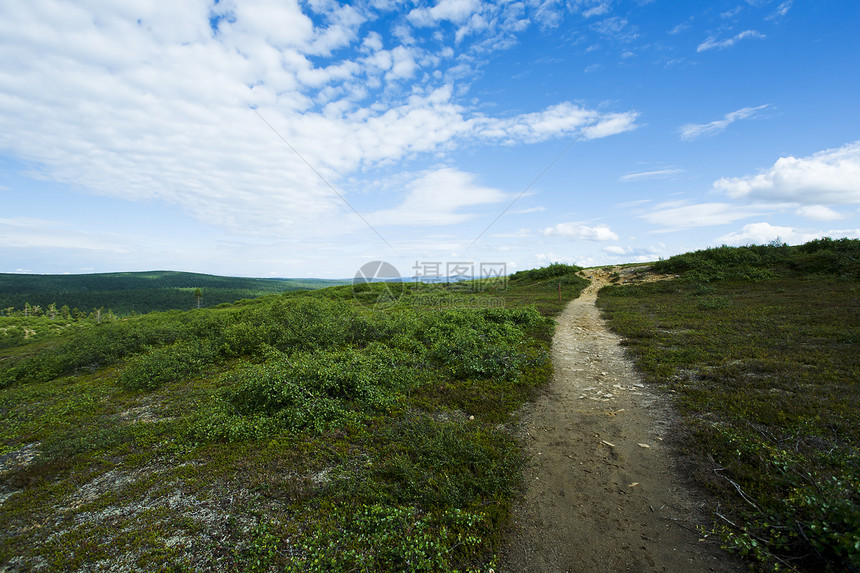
(603, 490)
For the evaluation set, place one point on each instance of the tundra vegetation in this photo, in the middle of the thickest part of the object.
(336, 430)
(760, 348)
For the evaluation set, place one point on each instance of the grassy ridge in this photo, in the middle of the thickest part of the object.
(139, 292)
(759, 346)
(310, 431)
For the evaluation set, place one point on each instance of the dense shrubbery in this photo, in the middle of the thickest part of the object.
(759, 262)
(158, 366)
(361, 363)
(12, 335)
(553, 270)
(104, 344)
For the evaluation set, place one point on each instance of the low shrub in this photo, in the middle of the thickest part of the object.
(548, 272)
(372, 538)
(159, 366)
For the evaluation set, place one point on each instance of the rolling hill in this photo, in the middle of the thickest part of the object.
(140, 292)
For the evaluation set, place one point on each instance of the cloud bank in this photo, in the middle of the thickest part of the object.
(829, 177)
(154, 102)
(576, 231)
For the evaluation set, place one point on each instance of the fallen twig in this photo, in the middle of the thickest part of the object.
(745, 497)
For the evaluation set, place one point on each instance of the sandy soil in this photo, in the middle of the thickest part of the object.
(604, 491)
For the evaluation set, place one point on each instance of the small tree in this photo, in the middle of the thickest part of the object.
(198, 294)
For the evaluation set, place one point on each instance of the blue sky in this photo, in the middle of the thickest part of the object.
(298, 139)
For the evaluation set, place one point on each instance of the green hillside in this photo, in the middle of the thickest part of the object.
(139, 292)
(759, 349)
(328, 430)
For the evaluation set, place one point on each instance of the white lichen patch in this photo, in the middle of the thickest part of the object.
(20, 458)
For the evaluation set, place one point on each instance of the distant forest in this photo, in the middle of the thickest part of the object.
(136, 292)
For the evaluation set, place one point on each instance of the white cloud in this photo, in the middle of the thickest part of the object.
(680, 28)
(23, 232)
(581, 232)
(596, 8)
(563, 119)
(549, 13)
(820, 213)
(438, 198)
(667, 173)
(616, 28)
(611, 124)
(456, 11)
(638, 254)
(591, 8)
(679, 215)
(693, 130)
(761, 233)
(781, 10)
(731, 13)
(713, 44)
(521, 233)
(145, 102)
(828, 177)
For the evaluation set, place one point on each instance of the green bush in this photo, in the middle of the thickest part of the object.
(242, 338)
(480, 343)
(551, 271)
(160, 366)
(760, 262)
(12, 336)
(94, 347)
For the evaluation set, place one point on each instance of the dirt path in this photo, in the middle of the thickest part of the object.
(603, 492)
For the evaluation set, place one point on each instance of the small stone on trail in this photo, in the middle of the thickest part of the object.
(607, 443)
(634, 484)
(644, 446)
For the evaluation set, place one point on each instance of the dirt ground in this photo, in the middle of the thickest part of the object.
(605, 490)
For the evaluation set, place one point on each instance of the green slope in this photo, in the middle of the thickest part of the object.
(140, 292)
(327, 431)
